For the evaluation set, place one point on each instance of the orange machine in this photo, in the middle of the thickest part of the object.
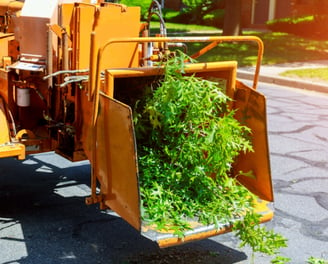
(67, 67)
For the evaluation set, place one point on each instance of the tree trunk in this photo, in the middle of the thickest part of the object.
(232, 18)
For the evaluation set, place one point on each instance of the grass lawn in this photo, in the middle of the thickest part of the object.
(278, 47)
(320, 74)
(173, 28)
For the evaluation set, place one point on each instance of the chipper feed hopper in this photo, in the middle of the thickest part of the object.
(68, 69)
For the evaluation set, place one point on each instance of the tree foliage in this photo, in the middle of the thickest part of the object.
(200, 8)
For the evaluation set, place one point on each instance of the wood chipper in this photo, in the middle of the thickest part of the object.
(66, 69)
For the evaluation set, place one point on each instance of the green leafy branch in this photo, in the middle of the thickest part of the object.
(188, 140)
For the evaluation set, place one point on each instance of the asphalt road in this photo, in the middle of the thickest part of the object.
(43, 218)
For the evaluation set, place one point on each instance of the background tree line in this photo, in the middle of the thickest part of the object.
(225, 14)
(308, 19)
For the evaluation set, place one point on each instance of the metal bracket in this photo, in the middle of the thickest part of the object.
(93, 199)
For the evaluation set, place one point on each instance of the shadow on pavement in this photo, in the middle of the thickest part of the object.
(43, 219)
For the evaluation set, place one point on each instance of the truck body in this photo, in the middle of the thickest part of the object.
(68, 72)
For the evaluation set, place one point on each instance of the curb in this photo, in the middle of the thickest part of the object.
(291, 83)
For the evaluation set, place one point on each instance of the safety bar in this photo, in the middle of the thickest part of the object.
(96, 56)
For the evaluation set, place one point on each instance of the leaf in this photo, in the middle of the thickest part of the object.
(249, 174)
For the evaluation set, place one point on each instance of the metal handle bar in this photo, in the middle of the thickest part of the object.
(96, 56)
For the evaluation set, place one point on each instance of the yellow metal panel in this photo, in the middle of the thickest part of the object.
(199, 231)
(4, 129)
(4, 39)
(66, 14)
(13, 150)
(114, 22)
(5, 96)
(7, 148)
(225, 70)
(109, 21)
(83, 21)
(115, 164)
(251, 107)
(84, 127)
